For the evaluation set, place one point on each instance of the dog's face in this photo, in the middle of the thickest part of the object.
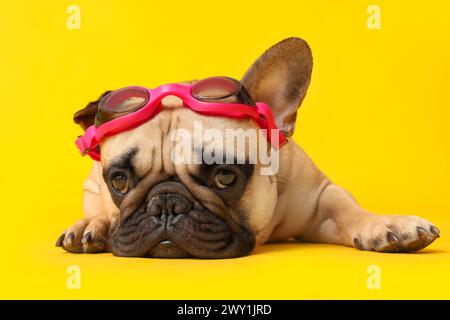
(197, 209)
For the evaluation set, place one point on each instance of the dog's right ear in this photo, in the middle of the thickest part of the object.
(86, 117)
(280, 78)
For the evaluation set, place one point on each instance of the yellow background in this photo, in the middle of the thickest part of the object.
(376, 120)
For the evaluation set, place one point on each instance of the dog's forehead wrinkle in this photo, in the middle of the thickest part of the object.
(171, 102)
(221, 153)
(124, 160)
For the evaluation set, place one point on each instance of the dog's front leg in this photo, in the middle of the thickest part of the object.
(90, 234)
(341, 220)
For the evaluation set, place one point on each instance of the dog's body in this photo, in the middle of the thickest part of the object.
(298, 202)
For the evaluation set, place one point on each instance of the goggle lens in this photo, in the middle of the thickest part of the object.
(125, 100)
(217, 89)
(121, 102)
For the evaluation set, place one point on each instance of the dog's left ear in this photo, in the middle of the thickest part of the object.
(280, 78)
(86, 117)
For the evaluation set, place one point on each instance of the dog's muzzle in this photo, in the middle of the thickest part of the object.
(171, 223)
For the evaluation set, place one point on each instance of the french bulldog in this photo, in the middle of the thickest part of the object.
(139, 203)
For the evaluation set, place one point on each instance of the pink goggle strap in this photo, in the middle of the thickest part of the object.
(268, 122)
(88, 144)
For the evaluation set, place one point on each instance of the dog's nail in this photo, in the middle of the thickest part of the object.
(358, 244)
(60, 240)
(392, 238)
(421, 232)
(70, 238)
(435, 231)
(87, 238)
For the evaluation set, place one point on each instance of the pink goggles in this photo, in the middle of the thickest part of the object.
(130, 107)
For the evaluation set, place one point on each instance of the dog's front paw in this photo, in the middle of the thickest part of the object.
(395, 234)
(85, 236)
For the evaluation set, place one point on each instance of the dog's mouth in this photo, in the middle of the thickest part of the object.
(175, 225)
(167, 249)
(197, 234)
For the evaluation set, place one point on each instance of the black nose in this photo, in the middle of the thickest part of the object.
(168, 204)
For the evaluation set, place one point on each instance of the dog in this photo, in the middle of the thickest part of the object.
(168, 210)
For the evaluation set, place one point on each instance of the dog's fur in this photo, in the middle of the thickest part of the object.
(298, 202)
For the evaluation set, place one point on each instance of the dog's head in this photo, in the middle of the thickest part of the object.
(199, 209)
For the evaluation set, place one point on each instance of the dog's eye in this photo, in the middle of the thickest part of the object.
(120, 183)
(224, 179)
